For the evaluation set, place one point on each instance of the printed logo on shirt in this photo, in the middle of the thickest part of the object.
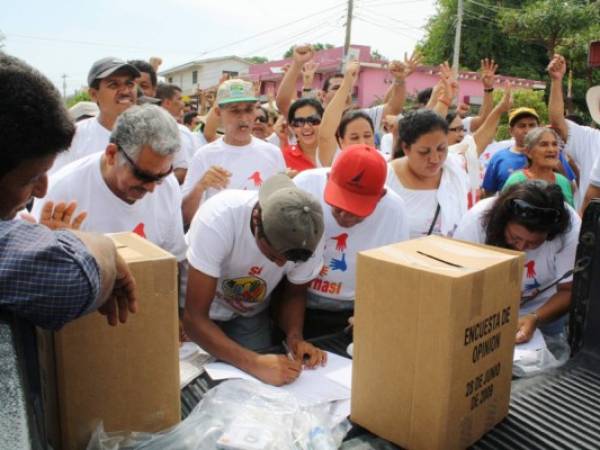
(341, 241)
(256, 179)
(237, 291)
(339, 264)
(255, 270)
(139, 230)
(326, 287)
(530, 267)
(324, 271)
(530, 273)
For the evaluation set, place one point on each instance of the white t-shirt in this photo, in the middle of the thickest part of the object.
(249, 165)
(386, 147)
(376, 115)
(543, 265)
(90, 137)
(583, 146)
(387, 224)
(421, 204)
(156, 216)
(492, 149)
(221, 245)
(190, 142)
(466, 122)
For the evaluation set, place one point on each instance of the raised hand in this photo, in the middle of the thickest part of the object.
(352, 69)
(507, 100)
(308, 72)
(303, 54)
(557, 67)
(61, 216)
(488, 72)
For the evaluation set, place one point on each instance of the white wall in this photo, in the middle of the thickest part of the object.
(208, 74)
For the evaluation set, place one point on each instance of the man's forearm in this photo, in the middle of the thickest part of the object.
(487, 106)
(104, 252)
(285, 93)
(395, 103)
(291, 313)
(556, 108)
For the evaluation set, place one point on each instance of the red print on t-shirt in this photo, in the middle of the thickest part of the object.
(255, 270)
(256, 178)
(340, 241)
(530, 266)
(139, 230)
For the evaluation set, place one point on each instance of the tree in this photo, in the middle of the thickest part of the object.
(81, 96)
(522, 97)
(377, 57)
(257, 59)
(2, 39)
(549, 22)
(318, 47)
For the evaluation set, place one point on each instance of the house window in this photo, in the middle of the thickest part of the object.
(170, 79)
(195, 77)
(231, 73)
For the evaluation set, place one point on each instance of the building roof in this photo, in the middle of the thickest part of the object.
(200, 62)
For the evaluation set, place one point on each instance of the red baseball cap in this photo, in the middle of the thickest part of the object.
(356, 180)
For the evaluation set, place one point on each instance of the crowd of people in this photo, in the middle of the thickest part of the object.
(265, 205)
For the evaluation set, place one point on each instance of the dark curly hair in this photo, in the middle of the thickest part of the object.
(414, 125)
(144, 66)
(552, 216)
(33, 119)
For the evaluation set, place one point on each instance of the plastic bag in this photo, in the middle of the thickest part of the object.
(555, 355)
(238, 414)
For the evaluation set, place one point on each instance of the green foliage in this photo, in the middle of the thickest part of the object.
(318, 47)
(377, 57)
(257, 59)
(522, 97)
(81, 96)
(549, 22)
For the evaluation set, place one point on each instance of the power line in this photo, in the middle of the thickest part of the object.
(262, 33)
(391, 30)
(376, 16)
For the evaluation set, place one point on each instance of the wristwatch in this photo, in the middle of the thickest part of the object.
(488, 89)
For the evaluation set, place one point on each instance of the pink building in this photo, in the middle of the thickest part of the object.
(374, 78)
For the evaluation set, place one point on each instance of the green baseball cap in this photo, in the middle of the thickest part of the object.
(292, 219)
(235, 91)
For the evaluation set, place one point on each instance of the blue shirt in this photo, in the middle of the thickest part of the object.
(501, 166)
(46, 277)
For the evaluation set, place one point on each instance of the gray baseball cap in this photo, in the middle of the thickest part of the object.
(292, 219)
(107, 66)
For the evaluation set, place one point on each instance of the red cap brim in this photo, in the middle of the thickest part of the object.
(357, 204)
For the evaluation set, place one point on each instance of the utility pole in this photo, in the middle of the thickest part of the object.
(456, 55)
(348, 28)
(64, 77)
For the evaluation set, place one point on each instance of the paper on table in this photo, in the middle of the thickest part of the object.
(528, 349)
(342, 376)
(312, 386)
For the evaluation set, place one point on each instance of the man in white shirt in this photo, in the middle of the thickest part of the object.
(111, 84)
(171, 100)
(111, 186)
(241, 245)
(582, 143)
(237, 160)
(360, 214)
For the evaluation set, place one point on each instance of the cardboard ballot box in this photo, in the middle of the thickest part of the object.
(127, 376)
(435, 323)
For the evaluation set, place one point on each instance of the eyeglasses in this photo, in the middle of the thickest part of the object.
(527, 211)
(261, 119)
(457, 129)
(141, 174)
(298, 122)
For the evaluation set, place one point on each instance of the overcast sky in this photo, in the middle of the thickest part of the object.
(67, 36)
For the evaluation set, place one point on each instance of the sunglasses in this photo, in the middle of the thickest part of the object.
(141, 174)
(298, 122)
(527, 211)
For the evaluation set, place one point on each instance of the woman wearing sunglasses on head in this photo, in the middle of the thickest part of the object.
(532, 217)
(542, 151)
(304, 119)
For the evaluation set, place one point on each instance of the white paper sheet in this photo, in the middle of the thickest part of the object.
(312, 387)
(342, 376)
(529, 350)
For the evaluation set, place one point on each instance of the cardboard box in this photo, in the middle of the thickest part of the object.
(127, 376)
(435, 323)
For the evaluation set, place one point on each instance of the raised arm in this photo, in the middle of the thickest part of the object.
(556, 104)
(333, 115)
(447, 90)
(488, 72)
(308, 75)
(397, 93)
(486, 132)
(286, 92)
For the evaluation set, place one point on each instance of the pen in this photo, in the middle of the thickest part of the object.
(289, 353)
